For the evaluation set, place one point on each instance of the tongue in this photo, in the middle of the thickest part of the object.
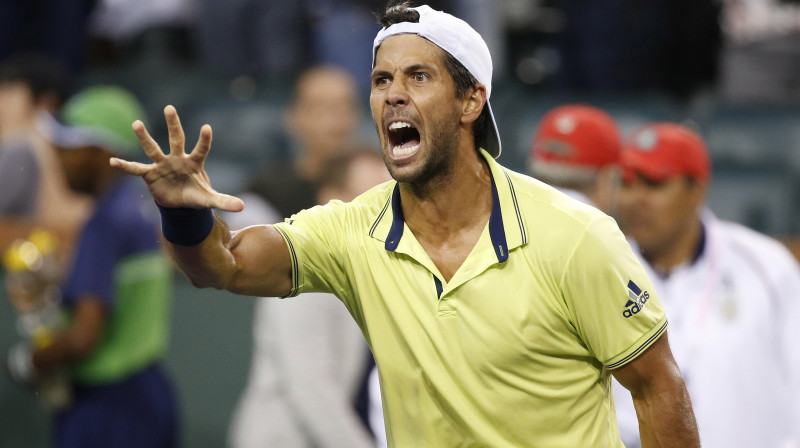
(409, 143)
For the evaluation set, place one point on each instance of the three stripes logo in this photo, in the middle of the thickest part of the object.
(638, 299)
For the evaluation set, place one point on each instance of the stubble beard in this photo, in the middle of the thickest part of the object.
(433, 171)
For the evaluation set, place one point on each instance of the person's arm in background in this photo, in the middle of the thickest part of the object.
(78, 341)
(254, 261)
(89, 295)
(662, 403)
(312, 338)
(27, 364)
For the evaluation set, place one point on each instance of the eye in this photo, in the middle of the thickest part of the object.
(380, 81)
(421, 77)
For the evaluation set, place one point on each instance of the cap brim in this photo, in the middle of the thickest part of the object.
(63, 136)
(635, 163)
(72, 137)
(491, 141)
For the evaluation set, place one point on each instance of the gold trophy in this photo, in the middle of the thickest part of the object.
(32, 279)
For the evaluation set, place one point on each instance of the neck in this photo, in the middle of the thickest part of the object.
(312, 162)
(457, 200)
(680, 250)
(105, 180)
(308, 167)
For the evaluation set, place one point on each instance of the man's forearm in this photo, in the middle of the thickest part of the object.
(209, 263)
(253, 261)
(666, 418)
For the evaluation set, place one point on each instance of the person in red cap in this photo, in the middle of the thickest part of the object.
(576, 149)
(729, 292)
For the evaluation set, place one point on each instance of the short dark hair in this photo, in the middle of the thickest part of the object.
(41, 73)
(398, 11)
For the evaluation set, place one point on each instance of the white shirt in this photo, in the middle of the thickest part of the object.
(730, 313)
(309, 358)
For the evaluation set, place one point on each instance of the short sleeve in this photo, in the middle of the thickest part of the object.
(610, 297)
(317, 241)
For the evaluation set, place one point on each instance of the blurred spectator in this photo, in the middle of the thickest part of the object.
(322, 119)
(577, 149)
(375, 417)
(35, 192)
(761, 55)
(729, 293)
(116, 297)
(310, 357)
(57, 28)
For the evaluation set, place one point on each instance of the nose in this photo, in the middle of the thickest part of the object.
(633, 194)
(397, 94)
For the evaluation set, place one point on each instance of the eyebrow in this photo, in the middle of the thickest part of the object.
(379, 73)
(410, 69)
(418, 67)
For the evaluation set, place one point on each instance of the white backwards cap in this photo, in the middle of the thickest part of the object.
(456, 37)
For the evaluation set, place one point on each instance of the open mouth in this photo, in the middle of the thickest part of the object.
(403, 138)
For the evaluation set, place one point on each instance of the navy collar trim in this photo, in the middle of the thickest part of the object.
(496, 229)
(701, 244)
(398, 221)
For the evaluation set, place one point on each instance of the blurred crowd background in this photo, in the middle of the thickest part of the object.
(728, 68)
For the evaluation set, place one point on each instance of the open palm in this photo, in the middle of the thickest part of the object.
(177, 179)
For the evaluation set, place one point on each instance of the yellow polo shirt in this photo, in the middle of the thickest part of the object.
(515, 350)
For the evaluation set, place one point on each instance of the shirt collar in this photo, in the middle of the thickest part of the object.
(506, 227)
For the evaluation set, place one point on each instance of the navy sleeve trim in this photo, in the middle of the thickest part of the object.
(639, 350)
(295, 270)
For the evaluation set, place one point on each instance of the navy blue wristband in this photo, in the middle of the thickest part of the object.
(186, 226)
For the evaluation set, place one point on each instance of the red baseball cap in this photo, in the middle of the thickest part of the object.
(659, 151)
(576, 135)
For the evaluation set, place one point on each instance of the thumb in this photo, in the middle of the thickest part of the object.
(227, 203)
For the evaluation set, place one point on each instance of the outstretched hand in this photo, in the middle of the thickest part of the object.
(177, 179)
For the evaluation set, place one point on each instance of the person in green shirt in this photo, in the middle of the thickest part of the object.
(116, 297)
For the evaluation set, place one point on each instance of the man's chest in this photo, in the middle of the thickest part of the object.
(504, 315)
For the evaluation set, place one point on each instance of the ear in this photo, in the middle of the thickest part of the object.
(473, 104)
(605, 189)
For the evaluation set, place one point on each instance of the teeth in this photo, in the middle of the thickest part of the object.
(399, 124)
(400, 151)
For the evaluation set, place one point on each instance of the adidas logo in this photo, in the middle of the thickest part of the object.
(638, 299)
